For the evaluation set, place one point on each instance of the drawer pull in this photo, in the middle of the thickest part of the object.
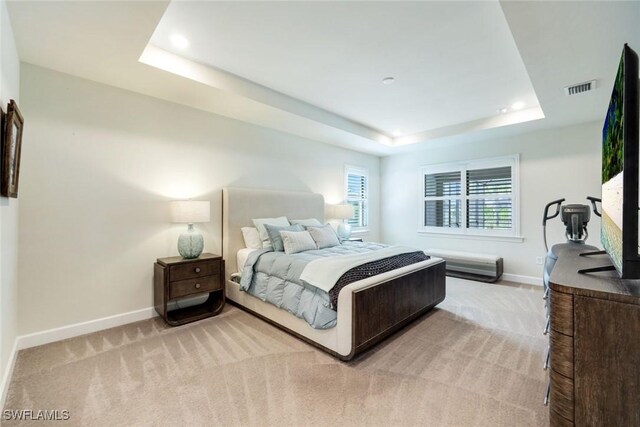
(197, 269)
(546, 395)
(197, 285)
(546, 358)
(547, 310)
(546, 328)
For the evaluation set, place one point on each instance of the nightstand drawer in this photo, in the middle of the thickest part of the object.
(194, 286)
(194, 270)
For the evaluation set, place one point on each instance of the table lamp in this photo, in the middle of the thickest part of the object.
(343, 213)
(191, 243)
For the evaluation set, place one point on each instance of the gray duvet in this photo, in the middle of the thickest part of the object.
(274, 277)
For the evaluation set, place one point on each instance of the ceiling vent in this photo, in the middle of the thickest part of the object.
(580, 88)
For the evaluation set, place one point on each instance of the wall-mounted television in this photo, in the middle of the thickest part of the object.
(620, 170)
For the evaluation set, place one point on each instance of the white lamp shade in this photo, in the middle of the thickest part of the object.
(190, 211)
(340, 211)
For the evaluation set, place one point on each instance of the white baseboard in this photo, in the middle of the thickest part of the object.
(77, 329)
(529, 280)
(8, 373)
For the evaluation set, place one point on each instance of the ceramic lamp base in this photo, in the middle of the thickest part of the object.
(344, 231)
(190, 244)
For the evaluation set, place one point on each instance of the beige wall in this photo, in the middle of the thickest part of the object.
(99, 167)
(555, 163)
(9, 89)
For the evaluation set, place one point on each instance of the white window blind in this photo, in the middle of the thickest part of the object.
(476, 197)
(443, 200)
(490, 198)
(357, 190)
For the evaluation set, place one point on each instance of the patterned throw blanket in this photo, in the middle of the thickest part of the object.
(372, 269)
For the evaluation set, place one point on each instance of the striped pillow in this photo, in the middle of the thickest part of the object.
(325, 237)
(297, 241)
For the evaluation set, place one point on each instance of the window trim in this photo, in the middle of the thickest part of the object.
(511, 235)
(364, 172)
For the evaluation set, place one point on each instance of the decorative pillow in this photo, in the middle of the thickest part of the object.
(297, 241)
(251, 238)
(274, 234)
(310, 222)
(260, 222)
(325, 236)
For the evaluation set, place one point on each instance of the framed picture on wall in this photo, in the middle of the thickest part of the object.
(11, 146)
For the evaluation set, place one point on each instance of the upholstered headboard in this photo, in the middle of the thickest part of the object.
(241, 205)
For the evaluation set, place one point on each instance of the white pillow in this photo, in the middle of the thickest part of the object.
(297, 241)
(325, 237)
(251, 238)
(309, 222)
(264, 236)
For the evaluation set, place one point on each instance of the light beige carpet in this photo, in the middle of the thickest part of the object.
(476, 360)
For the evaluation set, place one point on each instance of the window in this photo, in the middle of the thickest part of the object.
(357, 191)
(476, 197)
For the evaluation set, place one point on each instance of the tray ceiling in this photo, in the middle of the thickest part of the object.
(315, 69)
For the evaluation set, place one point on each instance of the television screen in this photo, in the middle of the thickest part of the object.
(613, 172)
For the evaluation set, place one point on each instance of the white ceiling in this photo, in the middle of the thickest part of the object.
(314, 69)
(453, 62)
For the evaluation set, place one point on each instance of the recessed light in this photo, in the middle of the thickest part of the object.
(518, 105)
(179, 41)
(502, 110)
(388, 80)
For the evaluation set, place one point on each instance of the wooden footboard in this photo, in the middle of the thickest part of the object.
(380, 310)
(383, 308)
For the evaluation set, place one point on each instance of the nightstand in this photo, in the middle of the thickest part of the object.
(175, 278)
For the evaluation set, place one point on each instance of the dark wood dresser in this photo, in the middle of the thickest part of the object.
(594, 334)
(176, 279)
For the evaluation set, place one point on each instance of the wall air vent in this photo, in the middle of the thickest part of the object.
(580, 88)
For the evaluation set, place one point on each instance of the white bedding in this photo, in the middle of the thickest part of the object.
(324, 273)
(241, 258)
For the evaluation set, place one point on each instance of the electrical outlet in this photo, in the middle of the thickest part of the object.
(539, 260)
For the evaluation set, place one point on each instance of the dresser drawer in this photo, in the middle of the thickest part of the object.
(194, 270)
(561, 353)
(194, 286)
(561, 396)
(561, 315)
(557, 420)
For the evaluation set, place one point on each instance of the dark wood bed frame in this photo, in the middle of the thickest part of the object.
(380, 310)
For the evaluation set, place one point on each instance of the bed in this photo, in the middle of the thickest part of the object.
(368, 310)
